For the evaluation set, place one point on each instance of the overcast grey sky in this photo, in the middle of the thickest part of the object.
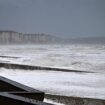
(68, 18)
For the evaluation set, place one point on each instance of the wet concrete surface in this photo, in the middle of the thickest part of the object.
(28, 67)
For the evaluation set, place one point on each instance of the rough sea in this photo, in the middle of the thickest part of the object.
(76, 57)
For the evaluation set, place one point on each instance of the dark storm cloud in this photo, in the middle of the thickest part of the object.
(68, 18)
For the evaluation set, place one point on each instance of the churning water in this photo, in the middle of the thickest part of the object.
(78, 57)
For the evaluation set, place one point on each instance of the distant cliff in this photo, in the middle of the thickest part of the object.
(11, 37)
(89, 40)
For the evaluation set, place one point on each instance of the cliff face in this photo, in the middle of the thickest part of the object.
(11, 37)
(7, 37)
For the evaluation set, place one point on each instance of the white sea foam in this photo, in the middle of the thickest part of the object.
(69, 84)
(80, 57)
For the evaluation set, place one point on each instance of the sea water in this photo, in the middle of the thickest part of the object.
(78, 57)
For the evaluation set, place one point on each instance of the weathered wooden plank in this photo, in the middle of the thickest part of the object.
(10, 99)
